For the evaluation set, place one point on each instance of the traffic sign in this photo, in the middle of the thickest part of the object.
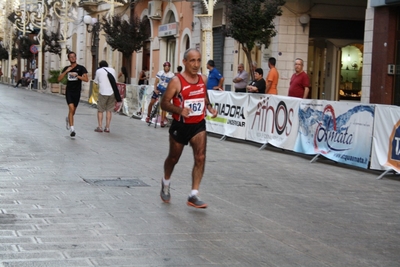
(33, 49)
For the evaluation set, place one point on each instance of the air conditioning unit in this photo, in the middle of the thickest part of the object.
(154, 9)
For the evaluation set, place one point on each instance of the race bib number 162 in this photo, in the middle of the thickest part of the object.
(196, 105)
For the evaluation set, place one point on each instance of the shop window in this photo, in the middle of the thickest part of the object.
(351, 72)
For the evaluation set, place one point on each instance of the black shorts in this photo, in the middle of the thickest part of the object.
(183, 132)
(155, 95)
(73, 97)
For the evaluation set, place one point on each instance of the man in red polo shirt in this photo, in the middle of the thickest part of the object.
(299, 83)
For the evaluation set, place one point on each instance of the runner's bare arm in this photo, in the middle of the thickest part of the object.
(62, 74)
(84, 77)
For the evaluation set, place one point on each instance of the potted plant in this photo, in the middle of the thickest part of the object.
(63, 85)
(55, 85)
(53, 80)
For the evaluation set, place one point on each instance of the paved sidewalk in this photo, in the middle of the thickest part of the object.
(94, 200)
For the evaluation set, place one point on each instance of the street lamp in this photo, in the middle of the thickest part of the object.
(93, 27)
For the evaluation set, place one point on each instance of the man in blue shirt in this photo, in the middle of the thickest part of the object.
(215, 80)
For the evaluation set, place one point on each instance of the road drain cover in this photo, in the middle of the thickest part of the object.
(116, 182)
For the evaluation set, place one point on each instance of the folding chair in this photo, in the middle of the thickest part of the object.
(30, 85)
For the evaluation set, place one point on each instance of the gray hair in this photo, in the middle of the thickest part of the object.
(185, 55)
(302, 61)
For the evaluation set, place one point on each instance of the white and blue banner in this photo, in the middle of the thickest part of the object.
(273, 119)
(340, 131)
(385, 152)
(232, 113)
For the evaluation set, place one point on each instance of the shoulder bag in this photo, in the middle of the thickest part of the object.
(114, 86)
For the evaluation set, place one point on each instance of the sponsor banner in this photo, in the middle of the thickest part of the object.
(340, 131)
(386, 143)
(273, 119)
(232, 112)
(122, 92)
(122, 89)
(135, 100)
(94, 96)
(141, 95)
(145, 93)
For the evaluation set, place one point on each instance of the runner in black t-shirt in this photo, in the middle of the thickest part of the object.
(75, 75)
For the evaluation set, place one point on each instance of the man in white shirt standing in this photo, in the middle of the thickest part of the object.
(241, 80)
(106, 100)
(35, 78)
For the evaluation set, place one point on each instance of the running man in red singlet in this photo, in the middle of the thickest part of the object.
(186, 97)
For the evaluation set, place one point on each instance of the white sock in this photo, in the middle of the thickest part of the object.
(194, 192)
(165, 182)
(72, 128)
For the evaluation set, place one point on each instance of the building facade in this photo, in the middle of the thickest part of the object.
(384, 17)
(350, 47)
(171, 33)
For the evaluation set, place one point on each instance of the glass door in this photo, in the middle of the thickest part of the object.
(351, 72)
(171, 48)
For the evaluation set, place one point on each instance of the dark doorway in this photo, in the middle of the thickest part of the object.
(397, 66)
(218, 48)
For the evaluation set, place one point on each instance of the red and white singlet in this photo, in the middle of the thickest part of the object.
(193, 96)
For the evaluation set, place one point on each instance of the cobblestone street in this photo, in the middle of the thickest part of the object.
(94, 200)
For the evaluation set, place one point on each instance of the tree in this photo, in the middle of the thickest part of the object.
(3, 53)
(125, 36)
(51, 43)
(24, 47)
(14, 50)
(251, 21)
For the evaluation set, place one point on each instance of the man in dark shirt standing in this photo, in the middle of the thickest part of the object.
(75, 75)
(258, 85)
